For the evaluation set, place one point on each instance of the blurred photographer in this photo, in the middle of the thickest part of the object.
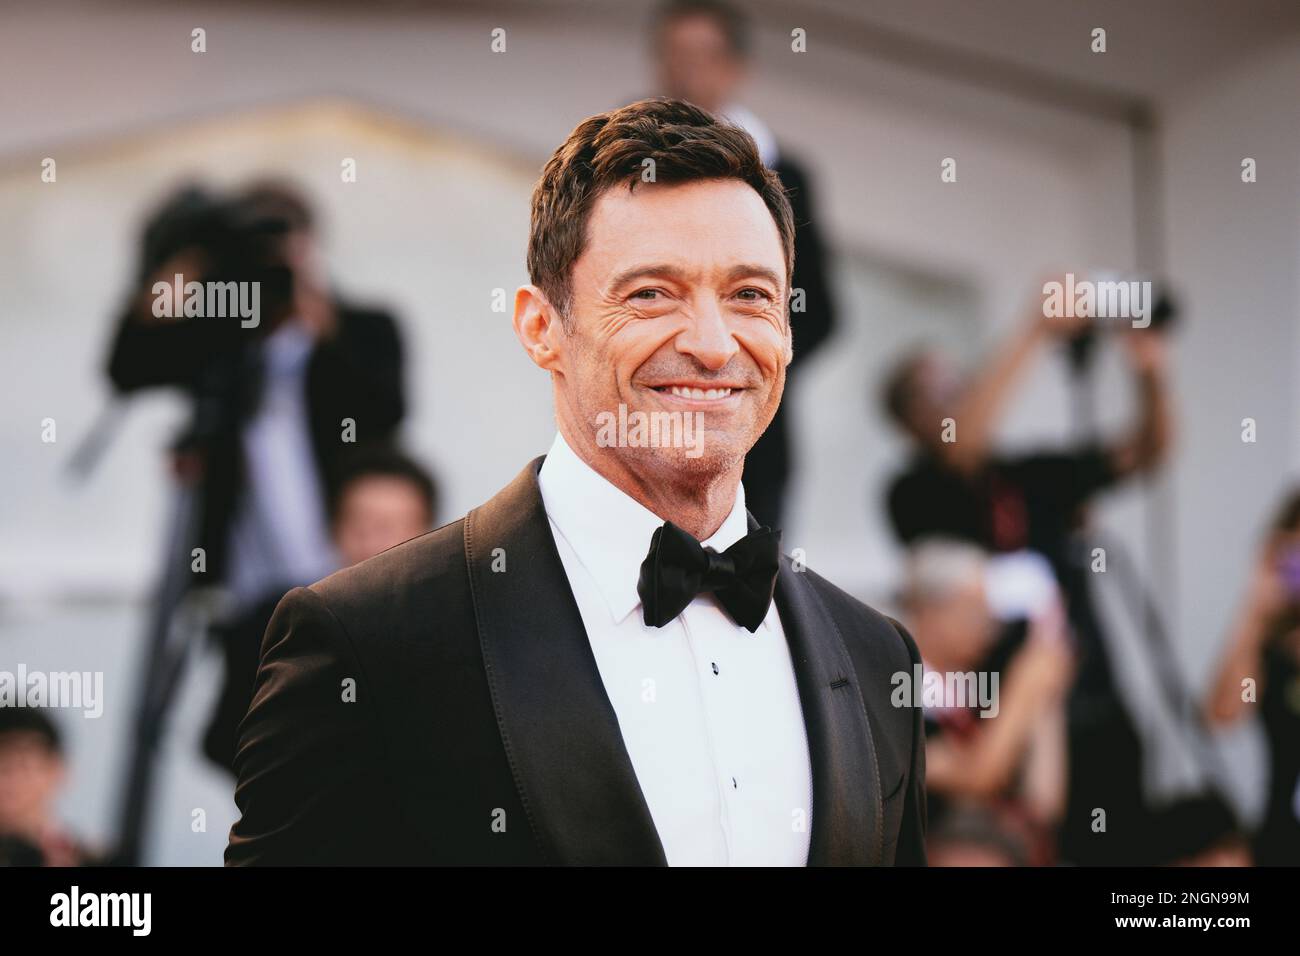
(282, 398)
(963, 488)
(1006, 767)
(1264, 646)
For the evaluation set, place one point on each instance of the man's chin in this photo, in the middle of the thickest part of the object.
(705, 457)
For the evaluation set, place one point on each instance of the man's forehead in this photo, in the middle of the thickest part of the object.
(715, 223)
(658, 196)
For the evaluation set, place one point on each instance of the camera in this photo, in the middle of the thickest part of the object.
(238, 240)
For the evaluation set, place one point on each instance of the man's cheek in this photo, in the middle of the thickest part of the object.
(771, 351)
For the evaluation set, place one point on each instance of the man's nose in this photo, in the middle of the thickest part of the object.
(708, 338)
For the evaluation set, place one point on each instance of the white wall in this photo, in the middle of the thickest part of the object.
(1234, 249)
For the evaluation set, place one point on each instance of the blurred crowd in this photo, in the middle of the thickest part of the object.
(1002, 573)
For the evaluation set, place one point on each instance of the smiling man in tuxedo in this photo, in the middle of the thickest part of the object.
(609, 662)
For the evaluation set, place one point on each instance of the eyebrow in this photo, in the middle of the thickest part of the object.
(748, 271)
(647, 272)
(665, 271)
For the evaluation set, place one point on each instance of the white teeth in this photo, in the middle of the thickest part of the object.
(700, 393)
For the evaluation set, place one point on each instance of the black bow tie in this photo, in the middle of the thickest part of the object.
(678, 568)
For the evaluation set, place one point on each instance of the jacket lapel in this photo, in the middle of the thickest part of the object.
(847, 817)
(561, 735)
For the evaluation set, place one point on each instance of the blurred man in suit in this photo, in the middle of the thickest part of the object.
(273, 398)
(280, 402)
(590, 668)
(701, 51)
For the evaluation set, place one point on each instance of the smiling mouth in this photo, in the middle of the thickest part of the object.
(697, 394)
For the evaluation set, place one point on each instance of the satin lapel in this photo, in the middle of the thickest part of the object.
(848, 817)
(560, 731)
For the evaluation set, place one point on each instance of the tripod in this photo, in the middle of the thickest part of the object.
(169, 634)
(1136, 596)
(169, 637)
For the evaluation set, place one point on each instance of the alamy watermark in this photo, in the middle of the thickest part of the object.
(208, 300)
(1101, 299)
(75, 690)
(950, 689)
(133, 911)
(651, 430)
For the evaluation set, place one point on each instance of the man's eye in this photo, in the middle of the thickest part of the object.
(753, 295)
(646, 295)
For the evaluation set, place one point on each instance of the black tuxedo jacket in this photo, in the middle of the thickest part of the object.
(440, 704)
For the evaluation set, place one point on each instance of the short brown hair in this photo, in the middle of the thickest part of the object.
(608, 150)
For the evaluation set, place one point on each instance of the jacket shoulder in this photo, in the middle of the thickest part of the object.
(860, 623)
(402, 592)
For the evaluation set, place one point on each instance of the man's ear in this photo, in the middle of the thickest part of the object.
(537, 326)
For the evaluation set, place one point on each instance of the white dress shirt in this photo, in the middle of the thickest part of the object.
(709, 712)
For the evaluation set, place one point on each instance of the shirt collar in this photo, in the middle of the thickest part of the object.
(609, 530)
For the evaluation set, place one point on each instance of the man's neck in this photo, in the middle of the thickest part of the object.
(697, 505)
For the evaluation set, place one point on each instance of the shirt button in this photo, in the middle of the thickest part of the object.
(715, 667)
